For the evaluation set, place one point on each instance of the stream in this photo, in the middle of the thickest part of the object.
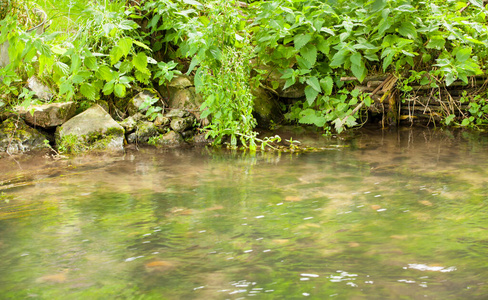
(398, 214)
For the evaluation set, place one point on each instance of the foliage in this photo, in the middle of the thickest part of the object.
(316, 42)
(108, 49)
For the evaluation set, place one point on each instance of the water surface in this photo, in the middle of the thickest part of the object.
(397, 215)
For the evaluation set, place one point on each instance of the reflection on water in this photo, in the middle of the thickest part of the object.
(380, 215)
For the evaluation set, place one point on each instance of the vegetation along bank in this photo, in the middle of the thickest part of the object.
(96, 75)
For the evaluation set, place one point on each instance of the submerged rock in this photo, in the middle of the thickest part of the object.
(17, 137)
(92, 129)
(48, 115)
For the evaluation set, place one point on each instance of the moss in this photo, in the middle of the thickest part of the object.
(73, 144)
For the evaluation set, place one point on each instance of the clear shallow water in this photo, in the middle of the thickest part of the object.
(399, 215)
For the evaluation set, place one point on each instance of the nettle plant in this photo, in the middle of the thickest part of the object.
(106, 56)
(316, 43)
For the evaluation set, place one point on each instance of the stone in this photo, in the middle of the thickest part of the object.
(266, 109)
(48, 115)
(94, 129)
(42, 91)
(162, 121)
(4, 58)
(170, 139)
(182, 124)
(145, 130)
(17, 137)
(129, 124)
(177, 113)
(201, 139)
(135, 103)
(180, 93)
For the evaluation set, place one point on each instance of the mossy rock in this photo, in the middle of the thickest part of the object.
(17, 137)
(170, 139)
(94, 129)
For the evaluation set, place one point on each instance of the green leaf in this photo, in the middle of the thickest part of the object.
(385, 24)
(309, 52)
(436, 42)
(477, 3)
(356, 59)
(327, 85)
(406, 8)
(194, 62)
(125, 45)
(301, 40)
(127, 25)
(115, 55)
(359, 71)
(314, 83)
(323, 45)
(450, 78)
(61, 68)
(75, 63)
(119, 90)
(408, 30)
(339, 58)
(142, 45)
(311, 94)
(91, 62)
(463, 54)
(193, 2)
(108, 88)
(289, 82)
(88, 91)
(309, 116)
(105, 73)
(140, 62)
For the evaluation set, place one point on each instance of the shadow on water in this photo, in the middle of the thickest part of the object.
(379, 214)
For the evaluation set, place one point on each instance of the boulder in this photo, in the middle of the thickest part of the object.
(48, 115)
(90, 130)
(17, 137)
(266, 109)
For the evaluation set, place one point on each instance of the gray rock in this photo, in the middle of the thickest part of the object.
(180, 93)
(94, 128)
(129, 124)
(162, 121)
(177, 113)
(48, 115)
(182, 124)
(41, 90)
(135, 103)
(201, 139)
(17, 137)
(170, 139)
(4, 58)
(145, 131)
